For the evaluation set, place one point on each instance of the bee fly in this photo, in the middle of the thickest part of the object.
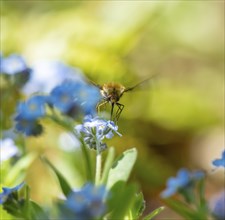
(111, 93)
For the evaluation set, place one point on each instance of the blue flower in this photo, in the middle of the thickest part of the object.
(32, 109)
(220, 162)
(28, 127)
(27, 115)
(88, 203)
(71, 97)
(218, 209)
(94, 130)
(8, 192)
(63, 96)
(13, 64)
(88, 96)
(15, 70)
(183, 181)
(8, 149)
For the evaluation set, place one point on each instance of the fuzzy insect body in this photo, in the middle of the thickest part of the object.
(112, 92)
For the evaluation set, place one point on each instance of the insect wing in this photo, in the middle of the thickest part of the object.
(94, 84)
(138, 84)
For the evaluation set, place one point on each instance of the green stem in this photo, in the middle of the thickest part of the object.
(98, 163)
(98, 168)
(62, 123)
(22, 144)
(86, 155)
(27, 207)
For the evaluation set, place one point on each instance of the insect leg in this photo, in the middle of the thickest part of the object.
(111, 116)
(99, 105)
(119, 111)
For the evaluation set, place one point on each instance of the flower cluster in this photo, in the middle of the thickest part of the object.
(94, 130)
(70, 98)
(87, 203)
(184, 181)
(55, 84)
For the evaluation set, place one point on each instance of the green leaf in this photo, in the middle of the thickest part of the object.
(201, 193)
(154, 213)
(202, 206)
(122, 200)
(181, 208)
(5, 215)
(32, 210)
(37, 212)
(62, 181)
(138, 206)
(121, 169)
(18, 170)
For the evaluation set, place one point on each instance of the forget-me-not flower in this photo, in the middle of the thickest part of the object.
(72, 97)
(32, 109)
(220, 162)
(28, 113)
(15, 69)
(94, 130)
(88, 96)
(182, 181)
(28, 127)
(8, 192)
(87, 203)
(8, 149)
(63, 97)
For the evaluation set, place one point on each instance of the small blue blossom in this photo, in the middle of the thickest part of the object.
(88, 97)
(8, 192)
(218, 207)
(28, 127)
(87, 203)
(220, 162)
(63, 96)
(13, 64)
(94, 130)
(32, 109)
(184, 180)
(15, 70)
(8, 149)
(27, 115)
(71, 96)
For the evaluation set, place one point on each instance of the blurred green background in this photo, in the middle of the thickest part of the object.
(175, 121)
